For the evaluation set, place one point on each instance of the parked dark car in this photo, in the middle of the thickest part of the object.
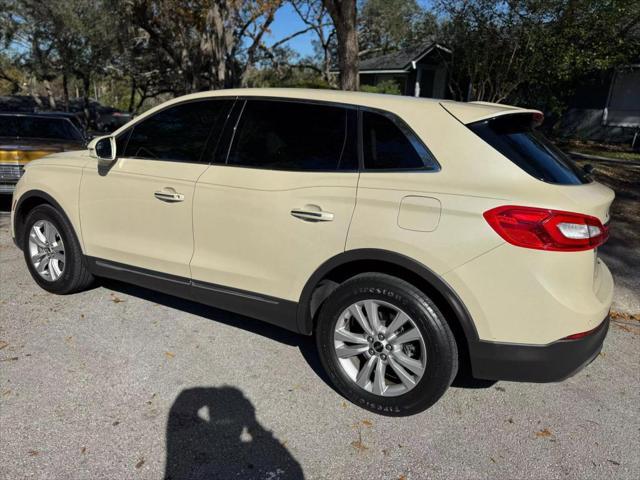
(25, 137)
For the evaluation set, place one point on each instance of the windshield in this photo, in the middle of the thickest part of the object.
(38, 127)
(514, 137)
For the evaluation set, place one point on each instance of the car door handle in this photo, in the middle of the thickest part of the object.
(170, 196)
(312, 215)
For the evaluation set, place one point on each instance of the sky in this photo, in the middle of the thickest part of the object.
(286, 22)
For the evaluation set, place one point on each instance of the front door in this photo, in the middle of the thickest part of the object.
(138, 211)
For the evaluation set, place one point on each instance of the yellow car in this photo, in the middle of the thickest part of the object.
(410, 236)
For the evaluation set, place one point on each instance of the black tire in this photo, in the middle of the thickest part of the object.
(75, 275)
(442, 353)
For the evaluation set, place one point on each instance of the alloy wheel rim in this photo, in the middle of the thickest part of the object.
(46, 250)
(380, 348)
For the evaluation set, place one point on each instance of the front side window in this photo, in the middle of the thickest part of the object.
(178, 133)
(387, 146)
(283, 135)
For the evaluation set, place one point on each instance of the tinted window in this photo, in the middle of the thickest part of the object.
(295, 136)
(39, 127)
(386, 146)
(514, 137)
(176, 133)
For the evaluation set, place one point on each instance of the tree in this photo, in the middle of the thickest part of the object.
(389, 25)
(344, 16)
(535, 52)
(208, 44)
(313, 13)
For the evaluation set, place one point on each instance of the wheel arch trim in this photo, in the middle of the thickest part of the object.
(305, 320)
(47, 198)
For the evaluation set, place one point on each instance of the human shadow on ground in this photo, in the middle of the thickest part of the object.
(212, 433)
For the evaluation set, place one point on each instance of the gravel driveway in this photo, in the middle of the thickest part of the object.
(123, 383)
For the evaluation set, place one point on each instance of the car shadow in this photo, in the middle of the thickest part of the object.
(212, 432)
(304, 343)
(5, 203)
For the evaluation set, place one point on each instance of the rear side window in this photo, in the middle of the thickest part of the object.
(282, 135)
(178, 133)
(514, 137)
(389, 145)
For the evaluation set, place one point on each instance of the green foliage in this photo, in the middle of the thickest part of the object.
(387, 86)
(536, 52)
(389, 25)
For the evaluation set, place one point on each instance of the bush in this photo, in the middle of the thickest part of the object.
(388, 86)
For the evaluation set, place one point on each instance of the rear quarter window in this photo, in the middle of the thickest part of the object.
(515, 138)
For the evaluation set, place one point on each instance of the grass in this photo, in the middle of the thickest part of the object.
(601, 150)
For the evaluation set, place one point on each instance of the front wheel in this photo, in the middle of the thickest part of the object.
(52, 252)
(385, 345)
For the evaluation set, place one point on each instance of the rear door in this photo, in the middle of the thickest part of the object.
(138, 211)
(269, 213)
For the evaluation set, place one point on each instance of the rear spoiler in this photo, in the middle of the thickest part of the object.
(472, 112)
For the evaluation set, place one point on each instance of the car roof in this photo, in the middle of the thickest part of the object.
(466, 112)
(59, 115)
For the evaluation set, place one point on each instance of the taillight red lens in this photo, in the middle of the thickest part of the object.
(545, 229)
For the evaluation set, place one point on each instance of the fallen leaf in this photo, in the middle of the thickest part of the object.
(10, 359)
(33, 453)
(170, 354)
(358, 445)
(69, 339)
(344, 405)
(492, 459)
(140, 463)
(6, 392)
(3, 344)
(402, 477)
(367, 423)
(116, 423)
(545, 432)
(116, 299)
(500, 389)
(83, 449)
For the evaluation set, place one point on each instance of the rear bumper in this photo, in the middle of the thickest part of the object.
(536, 363)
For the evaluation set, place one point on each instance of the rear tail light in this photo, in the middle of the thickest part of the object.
(545, 229)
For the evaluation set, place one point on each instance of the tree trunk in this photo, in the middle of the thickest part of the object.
(65, 90)
(50, 97)
(343, 14)
(132, 96)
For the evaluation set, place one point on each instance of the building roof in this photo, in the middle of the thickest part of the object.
(401, 60)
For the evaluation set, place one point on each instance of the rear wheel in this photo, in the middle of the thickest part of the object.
(385, 345)
(53, 253)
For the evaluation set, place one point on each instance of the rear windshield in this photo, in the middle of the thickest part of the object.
(514, 137)
(38, 127)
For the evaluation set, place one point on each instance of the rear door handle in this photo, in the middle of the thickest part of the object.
(169, 195)
(312, 215)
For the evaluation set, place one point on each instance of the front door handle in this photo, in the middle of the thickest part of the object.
(312, 215)
(169, 195)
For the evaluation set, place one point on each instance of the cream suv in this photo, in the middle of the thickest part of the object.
(410, 236)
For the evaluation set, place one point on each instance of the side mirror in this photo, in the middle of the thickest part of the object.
(103, 148)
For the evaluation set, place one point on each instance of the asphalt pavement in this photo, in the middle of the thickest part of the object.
(119, 382)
